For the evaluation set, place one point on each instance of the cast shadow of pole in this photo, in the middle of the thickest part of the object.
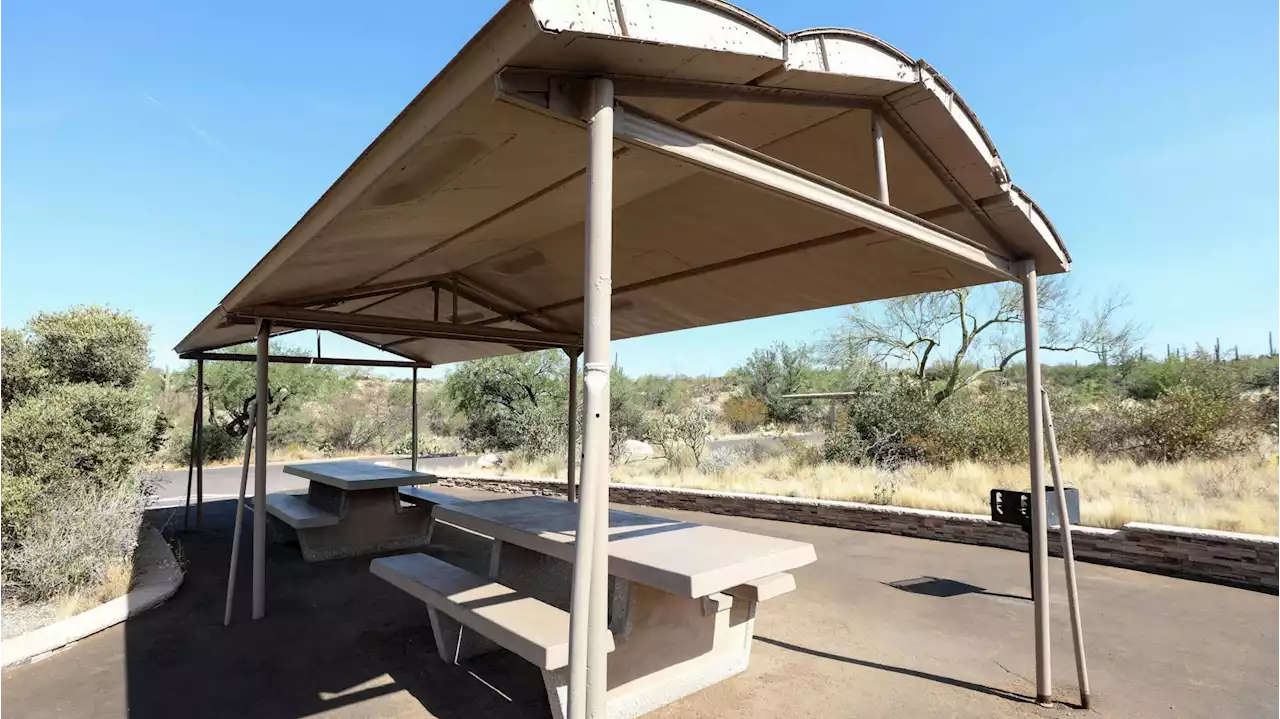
(949, 681)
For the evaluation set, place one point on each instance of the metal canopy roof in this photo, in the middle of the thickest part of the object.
(458, 233)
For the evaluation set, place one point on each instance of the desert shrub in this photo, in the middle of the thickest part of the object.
(1190, 420)
(1257, 372)
(74, 540)
(744, 414)
(18, 498)
(77, 434)
(883, 425)
(22, 375)
(664, 394)
(774, 371)
(981, 426)
(627, 418)
(724, 459)
(219, 445)
(90, 344)
(1149, 380)
(800, 452)
(681, 435)
(508, 402)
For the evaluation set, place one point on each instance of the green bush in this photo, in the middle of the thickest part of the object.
(981, 426)
(1189, 420)
(510, 403)
(219, 446)
(774, 371)
(90, 344)
(22, 375)
(882, 425)
(80, 437)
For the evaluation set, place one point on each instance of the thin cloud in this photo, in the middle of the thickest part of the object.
(195, 129)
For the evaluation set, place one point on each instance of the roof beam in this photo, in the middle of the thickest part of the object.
(750, 167)
(847, 235)
(301, 318)
(291, 359)
(561, 91)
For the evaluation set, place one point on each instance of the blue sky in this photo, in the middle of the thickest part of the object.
(154, 151)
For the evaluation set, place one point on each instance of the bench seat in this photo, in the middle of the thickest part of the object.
(295, 511)
(429, 498)
(765, 588)
(529, 628)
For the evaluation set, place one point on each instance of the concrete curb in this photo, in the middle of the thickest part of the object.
(158, 580)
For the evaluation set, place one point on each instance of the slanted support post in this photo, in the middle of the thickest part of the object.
(413, 423)
(260, 474)
(589, 606)
(882, 166)
(1039, 525)
(572, 458)
(198, 450)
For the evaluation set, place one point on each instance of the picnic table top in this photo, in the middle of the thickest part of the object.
(681, 558)
(355, 475)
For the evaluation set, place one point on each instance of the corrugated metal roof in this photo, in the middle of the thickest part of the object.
(470, 191)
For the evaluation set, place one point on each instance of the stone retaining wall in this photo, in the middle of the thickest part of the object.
(1241, 560)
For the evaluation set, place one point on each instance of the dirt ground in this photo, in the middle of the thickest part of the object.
(880, 626)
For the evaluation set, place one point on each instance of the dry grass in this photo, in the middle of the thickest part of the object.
(116, 582)
(1236, 494)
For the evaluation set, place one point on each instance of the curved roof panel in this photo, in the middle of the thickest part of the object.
(475, 193)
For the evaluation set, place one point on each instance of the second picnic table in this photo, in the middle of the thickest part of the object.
(682, 596)
(351, 508)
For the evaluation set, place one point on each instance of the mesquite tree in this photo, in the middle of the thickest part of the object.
(955, 337)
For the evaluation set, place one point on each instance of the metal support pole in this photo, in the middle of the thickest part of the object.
(413, 425)
(1068, 555)
(199, 448)
(570, 471)
(589, 608)
(435, 298)
(260, 476)
(191, 465)
(1039, 527)
(882, 167)
(235, 536)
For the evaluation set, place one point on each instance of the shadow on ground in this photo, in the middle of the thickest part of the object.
(949, 681)
(334, 636)
(946, 588)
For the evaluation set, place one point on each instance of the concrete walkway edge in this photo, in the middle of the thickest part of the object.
(159, 579)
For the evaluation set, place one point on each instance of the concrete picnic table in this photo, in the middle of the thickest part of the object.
(351, 508)
(683, 596)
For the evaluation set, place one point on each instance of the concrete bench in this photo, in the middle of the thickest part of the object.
(765, 588)
(295, 511)
(527, 627)
(429, 498)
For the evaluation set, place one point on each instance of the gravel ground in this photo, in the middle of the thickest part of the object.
(18, 618)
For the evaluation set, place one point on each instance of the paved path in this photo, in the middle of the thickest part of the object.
(847, 643)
